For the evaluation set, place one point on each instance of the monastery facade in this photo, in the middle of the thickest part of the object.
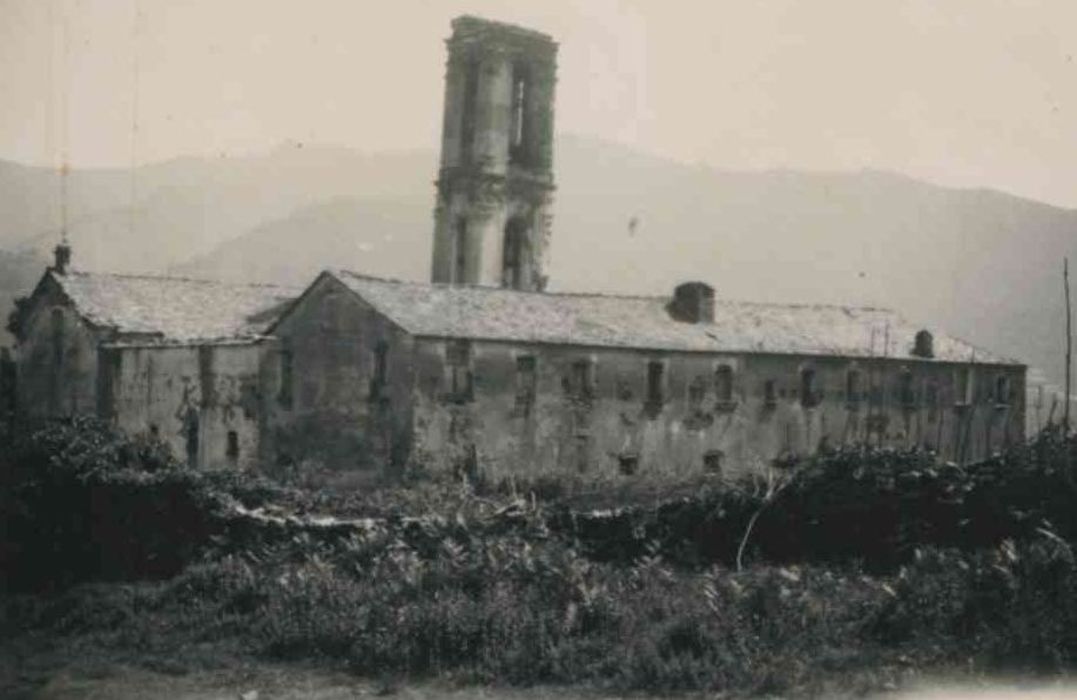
(481, 370)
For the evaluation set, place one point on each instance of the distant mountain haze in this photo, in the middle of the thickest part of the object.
(983, 265)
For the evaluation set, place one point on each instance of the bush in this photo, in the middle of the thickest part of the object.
(80, 501)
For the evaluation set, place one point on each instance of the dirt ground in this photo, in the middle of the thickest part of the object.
(81, 669)
(283, 682)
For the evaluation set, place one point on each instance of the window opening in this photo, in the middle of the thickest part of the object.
(963, 386)
(906, 391)
(192, 437)
(723, 384)
(770, 396)
(232, 449)
(467, 118)
(458, 357)
(1002, 390)
(517, 144)
(809, 395)
(852, 388)
(582, 379)
(697, 390)
(512, 269)
(525, 384)
(656, 371)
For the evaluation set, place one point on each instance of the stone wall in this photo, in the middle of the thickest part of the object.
(328, 404)
(616, 423)
(203, 401)
(57, 360)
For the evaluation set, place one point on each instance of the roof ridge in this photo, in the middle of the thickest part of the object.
(607, 295)
(169, 278)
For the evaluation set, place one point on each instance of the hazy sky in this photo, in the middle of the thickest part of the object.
(961, 92)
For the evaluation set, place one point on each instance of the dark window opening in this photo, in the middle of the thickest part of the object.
(460, 251)
(192, 437)
(712, 461)
(906, 390)
(467, 117)
(378, 376)
(518, 151)
(109, 368)
(583, 450)
(656, 374)
(207, 377)
(723, 385)
(514, 253)
(852, 388)
(232, 448)
(155, 432)
(963, 386)
(931, 398)
(525, 384)
(697, 390)
(770, 398)
(809, 394)
(284, 397)
(628, 463)
(1002, 390)
(582, 380)
(458, 359)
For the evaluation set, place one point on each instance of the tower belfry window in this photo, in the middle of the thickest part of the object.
(519, 113)
(467, 117)
(515, 242)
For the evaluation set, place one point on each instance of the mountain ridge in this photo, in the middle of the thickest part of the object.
(980, 263)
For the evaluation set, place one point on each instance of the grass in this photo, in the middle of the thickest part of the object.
(467, 596)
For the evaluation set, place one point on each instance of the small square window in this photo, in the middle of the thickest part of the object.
(712, 461)
(628, 463)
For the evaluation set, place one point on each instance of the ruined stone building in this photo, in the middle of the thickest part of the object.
(483, 370)
(177, 359)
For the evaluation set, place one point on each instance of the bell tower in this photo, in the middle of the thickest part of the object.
(495, 182)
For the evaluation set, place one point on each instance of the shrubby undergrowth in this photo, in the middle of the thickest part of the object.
(865, 565)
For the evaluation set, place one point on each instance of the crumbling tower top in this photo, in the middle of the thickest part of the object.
(496, 172)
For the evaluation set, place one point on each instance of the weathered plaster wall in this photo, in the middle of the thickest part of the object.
(605, 428)
(56, 360)
(191, 397)
(330, 408)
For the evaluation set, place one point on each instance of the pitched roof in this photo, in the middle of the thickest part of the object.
(488, 313)
(174, 309)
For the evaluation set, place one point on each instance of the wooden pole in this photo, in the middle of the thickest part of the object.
(1069, 344)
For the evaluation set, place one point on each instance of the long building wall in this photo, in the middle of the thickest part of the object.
(596, 411)
(338, 393)
(203, 401)
(343, 389)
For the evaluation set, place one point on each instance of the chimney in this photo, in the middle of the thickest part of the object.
(693, 302)
(61, 257)
(924, 345)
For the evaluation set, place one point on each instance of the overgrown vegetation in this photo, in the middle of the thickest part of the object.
(865, 568)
